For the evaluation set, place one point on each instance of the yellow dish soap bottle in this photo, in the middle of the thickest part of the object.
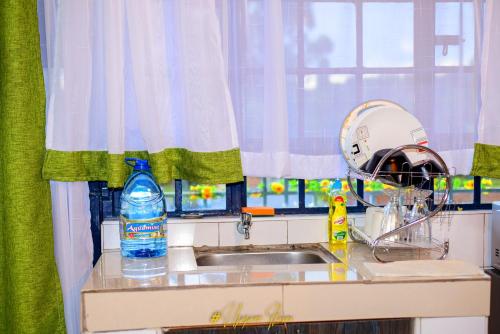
(337, 214)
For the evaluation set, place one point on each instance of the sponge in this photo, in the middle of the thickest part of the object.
(259, 210)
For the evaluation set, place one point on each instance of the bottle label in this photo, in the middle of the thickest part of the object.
(339, 235)
(339, 221)
(144, 228)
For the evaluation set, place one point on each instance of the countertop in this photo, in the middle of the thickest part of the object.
(179, 270)
(183, 294)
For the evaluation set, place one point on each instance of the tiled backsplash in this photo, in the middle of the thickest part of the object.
(221, 231)
(196, 234)
(470, 233)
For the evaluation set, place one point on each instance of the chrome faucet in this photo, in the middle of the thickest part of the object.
(244, 224)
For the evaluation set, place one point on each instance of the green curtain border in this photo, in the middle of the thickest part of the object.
(172, 163)
(486, 161)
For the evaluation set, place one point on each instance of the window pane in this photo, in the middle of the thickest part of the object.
(374, 192)
(324, 96)
(455, 103)
(290, 26)
(317, 193)
(276, 193)
(203, 197)
(169, 193)
(254, 34)
(454, 34)
(294, 120)
(329, 34)
(490, 190)
(250, 120)
(462, 189)
(393, 87)
(255, 38)
(387, 34)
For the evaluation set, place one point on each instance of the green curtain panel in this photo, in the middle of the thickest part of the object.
(30, 292)
(486, 161)
(167, 165)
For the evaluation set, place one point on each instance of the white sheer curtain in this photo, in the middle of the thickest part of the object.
(124, 71)
(73, 245)
(148, 76)
(489, 119)
(297, 68)
(125, 76)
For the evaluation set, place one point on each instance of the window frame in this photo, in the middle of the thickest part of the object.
(236, 198)
(104, 202)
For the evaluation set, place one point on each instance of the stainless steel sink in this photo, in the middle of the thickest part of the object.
(258, 255)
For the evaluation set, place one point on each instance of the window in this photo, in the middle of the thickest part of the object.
(288, 196)
(316, 193)
(169, 192)
(373, 192)
(200, 197)
(490, 190)
(337, 53)
(462, 186)
(276, 193)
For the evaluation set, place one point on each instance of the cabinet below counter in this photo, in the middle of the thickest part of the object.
(189, 296)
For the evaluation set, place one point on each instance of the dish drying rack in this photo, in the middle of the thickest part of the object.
(397, 244)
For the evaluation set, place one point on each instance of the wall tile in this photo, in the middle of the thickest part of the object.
(190, 234)
(469, 235)
(261, 233)
(110, 235)
(307, 231)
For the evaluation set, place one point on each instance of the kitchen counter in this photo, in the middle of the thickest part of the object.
(183, 294)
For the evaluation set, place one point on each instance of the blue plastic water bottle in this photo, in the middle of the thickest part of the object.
(143, 217)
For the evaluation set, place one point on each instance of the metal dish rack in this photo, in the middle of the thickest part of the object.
(395, 245)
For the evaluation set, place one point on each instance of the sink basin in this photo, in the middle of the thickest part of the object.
(255, 255)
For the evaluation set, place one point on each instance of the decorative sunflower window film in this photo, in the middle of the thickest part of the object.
(316, 192)
(490, 190)
(276, 193)
(462, 189)
(196, 196)
(169, 193)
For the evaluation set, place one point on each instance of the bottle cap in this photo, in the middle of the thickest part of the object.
(138, 164)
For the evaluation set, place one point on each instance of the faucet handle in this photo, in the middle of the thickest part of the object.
(244, 224)
(246, 218)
